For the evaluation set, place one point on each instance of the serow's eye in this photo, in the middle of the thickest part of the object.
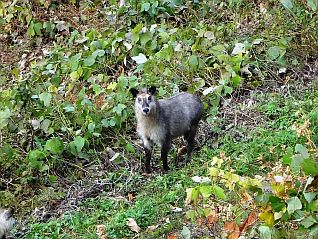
(149, 98)
(139, 99)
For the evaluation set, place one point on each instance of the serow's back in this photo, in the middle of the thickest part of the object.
(181, 111)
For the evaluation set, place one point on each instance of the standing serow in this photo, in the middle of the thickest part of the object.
(6, 222)
(160, 121)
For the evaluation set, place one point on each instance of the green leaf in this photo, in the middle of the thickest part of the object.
(273, 53)
(265, 232)
(79, 143)
(310, 167)
(36, 154)
(140, 59)
(296, 161)
(308, 221)
(312, 4)
(218, 192)
(165, 53)
(287, 4)
(206, 190)
(89, 61)
(130, 148)
(46, 98)
(54, 145)
(30, 31)
(302, 150)
(293, 204)
(310, 196)
(74, 76)
(186, 233)
(145, 7)
(4, 117)
(277, 203)
(193, 61)
(135, 32)
(37, 28)
(99, 53)
(145, 37)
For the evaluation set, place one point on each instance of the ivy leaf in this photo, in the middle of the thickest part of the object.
(54, 145)
(302, 150)
(89, 61)
(287, 4)
(268, 218)
(310, 196)
(310, 167)
(193, 61)
(140, 59)
(145, 7)
(30, 31)
(308, 221)
(293, 204)
(46, 98)
(145, 37)
(74, 76)
(4, 117)
(265, 232)
(312, 4)
(206, 191)
(165, 53)
(218, 192)
(277, 203)
(79, 143)
(273, 53)
(37, 28)
(186, 233)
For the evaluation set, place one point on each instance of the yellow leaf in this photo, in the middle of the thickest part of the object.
(189, 195)
(216, 160)
(214, 172)
(268, 218)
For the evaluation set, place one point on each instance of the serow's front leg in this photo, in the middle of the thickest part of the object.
(164, 154)
(147, 149)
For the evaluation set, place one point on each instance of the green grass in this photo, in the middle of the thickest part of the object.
(155, 195)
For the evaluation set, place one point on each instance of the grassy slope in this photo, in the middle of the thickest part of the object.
(153, 200)
(253, 143)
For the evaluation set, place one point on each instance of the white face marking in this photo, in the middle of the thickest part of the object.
(145, 103)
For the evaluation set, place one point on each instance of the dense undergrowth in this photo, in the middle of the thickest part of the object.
(66, 115)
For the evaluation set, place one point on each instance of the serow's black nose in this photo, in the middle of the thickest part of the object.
(146, 110)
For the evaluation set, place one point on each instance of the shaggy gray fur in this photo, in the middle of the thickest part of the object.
(160, 121)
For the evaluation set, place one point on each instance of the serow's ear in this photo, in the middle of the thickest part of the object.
(152, 90)
(134, 92)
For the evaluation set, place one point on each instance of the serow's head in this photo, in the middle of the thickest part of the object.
(145, 100)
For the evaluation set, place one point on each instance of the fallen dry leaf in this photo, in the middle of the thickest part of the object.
(212, 218)
(130, 197)
(152, 228)
(132, 224)
(233, 228)
(171, 236)
(182, 151)
(251, 219)
(100, 230)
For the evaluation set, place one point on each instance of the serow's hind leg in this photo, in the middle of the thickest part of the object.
(164, 154)
(190, 138)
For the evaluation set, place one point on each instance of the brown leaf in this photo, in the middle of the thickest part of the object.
(132, 224)
(172, 236)
(199, 221)
(182, 151)
(130, 197)
(233, 228)
(251, 219)
(212, 218)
